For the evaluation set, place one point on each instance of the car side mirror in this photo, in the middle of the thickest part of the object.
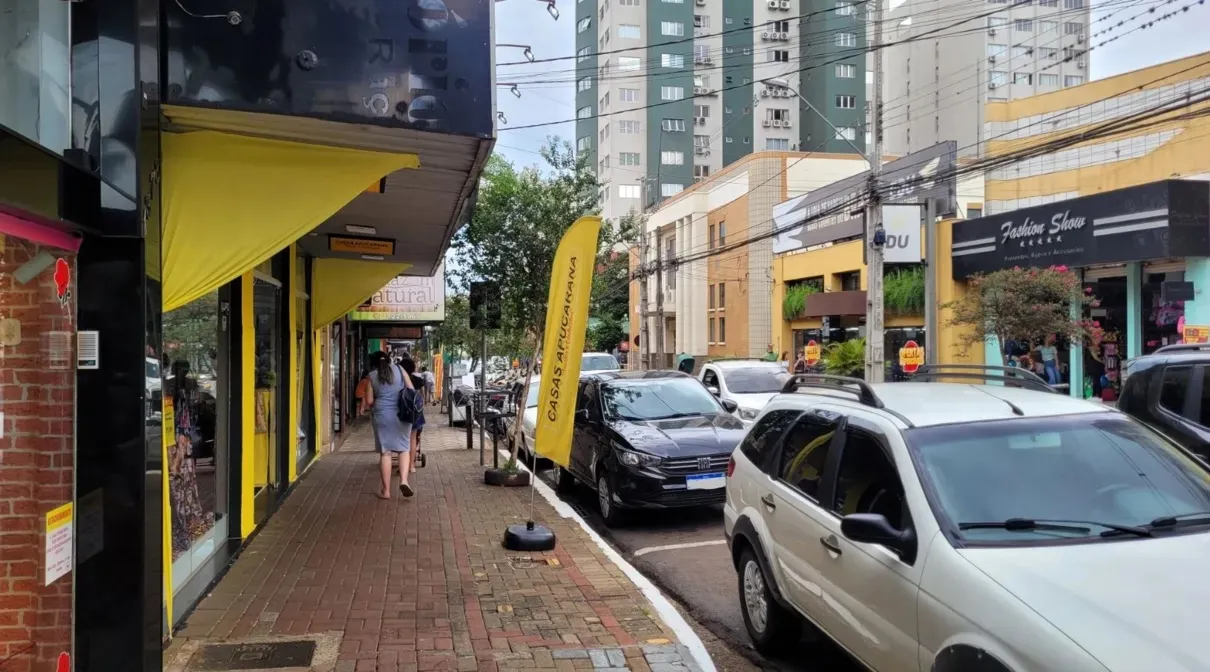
(712, 390)
(730, 405)
(874, 528)
(582, 414)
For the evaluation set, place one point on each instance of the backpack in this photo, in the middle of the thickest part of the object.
(411, 405)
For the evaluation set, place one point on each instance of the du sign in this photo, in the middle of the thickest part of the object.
(902, 225)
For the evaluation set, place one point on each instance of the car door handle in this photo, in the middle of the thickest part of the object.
(829, 542)
(767, 500)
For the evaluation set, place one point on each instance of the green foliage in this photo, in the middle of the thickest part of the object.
(846, 358)
(795, 300)
(610, 301)
(519, 219)
(454, 334)
(903, 291)
(1024, 304)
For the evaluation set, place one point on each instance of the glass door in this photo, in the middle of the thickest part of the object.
(267, 467)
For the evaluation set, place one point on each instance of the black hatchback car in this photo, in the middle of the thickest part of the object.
(650, 439)
(1170, 391)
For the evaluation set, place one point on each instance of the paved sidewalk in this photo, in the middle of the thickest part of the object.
(425, 584)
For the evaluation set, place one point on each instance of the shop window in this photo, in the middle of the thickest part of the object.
(37, 460)
(35, 73)
(1172, 389)
(195, 457)
(266, 316)
(850, 281)
(302, 396)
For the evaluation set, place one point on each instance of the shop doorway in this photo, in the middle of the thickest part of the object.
(268, 394)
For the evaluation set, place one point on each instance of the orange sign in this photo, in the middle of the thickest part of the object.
(1197, 333)
(811, 353)
(911, 357)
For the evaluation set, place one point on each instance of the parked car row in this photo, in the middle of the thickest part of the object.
(970, 520)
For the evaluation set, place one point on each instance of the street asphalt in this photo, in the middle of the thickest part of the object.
(683, 552)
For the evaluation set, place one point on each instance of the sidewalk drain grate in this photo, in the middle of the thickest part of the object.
(527, 562)
(224, 657)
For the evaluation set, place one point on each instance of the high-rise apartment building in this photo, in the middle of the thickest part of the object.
(670, 91)
(936, 85)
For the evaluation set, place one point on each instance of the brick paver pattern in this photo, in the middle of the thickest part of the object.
(424, 583)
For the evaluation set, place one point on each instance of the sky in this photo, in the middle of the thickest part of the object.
(527, 22)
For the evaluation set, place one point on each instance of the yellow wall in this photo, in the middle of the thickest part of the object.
(731, 270)
(949, 351)
(830, 263)
(248, 407)
(1186, 154)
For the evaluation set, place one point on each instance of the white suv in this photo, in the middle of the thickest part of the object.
(946, 527)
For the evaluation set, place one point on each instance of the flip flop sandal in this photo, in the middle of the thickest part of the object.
(406, 490)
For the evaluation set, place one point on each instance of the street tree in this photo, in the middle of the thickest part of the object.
(1024, 304)
(610, 300)
(519, 219)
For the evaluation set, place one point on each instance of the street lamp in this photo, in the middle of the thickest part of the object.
(529, 53)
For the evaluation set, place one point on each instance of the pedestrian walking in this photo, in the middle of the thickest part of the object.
(391, 436)
(800, 363)
(417, 382)
(430, 385)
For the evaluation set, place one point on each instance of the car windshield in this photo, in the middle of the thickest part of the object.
(598, 363)
(655, 399)
(1092, 468)
(534, 390)
(756, 379)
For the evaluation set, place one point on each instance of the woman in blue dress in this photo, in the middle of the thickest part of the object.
(391, 437)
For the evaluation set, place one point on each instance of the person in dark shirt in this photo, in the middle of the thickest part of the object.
(409, 368)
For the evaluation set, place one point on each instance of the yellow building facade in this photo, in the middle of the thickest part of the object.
(1127, 169)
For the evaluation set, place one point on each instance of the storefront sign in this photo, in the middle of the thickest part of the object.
(902, 225)
(914, 178)
(58, 543)
(911, 357)
(357, 245)
(406, 298)
(1152, 221)
(1197, 333)
(811, 353)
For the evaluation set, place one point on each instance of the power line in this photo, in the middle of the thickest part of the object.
(736, 86)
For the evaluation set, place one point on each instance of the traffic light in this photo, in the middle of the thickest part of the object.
(485, 305)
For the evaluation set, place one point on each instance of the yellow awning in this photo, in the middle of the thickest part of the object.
(340, 285)
(230, 202)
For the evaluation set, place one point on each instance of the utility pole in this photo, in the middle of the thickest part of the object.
(875, 237)
(644, 331)
(930, 281)
(659, 302)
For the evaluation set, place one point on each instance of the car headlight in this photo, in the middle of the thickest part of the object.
(632, 458)
(748, 413)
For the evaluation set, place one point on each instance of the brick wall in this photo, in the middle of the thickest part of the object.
(37, 393)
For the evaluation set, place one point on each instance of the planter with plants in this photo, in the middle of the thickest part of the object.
(508, 476)
(903, 291)
(846, 358)
(795, 300)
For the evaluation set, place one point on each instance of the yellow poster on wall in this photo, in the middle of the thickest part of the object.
(563, 341)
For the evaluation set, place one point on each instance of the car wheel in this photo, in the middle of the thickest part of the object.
(770, 626)
(564, 481)
(610, 512)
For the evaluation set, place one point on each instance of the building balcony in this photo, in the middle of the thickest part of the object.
(412, 77)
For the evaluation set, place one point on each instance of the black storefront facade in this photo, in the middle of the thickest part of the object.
(1143, 251)
(91, 550)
